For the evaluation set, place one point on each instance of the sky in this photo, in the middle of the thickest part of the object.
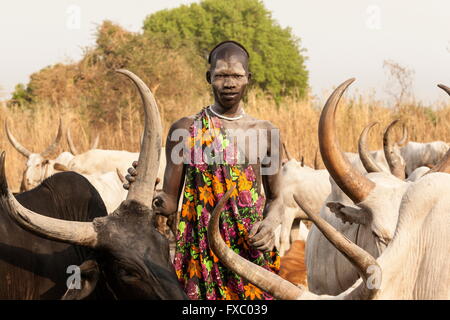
(343, 39)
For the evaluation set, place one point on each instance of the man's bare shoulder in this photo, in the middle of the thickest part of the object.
(263, 124)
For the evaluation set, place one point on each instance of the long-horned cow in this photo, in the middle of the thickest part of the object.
(351, 200)
(134, 255)
(412, 216)
(314, 186)
(32, 267)
(39, 166)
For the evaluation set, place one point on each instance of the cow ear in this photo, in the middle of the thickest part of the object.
(89, 274)
(348, 214)
(60, 167)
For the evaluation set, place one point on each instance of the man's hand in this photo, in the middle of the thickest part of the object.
(262, 235)
(131, 176)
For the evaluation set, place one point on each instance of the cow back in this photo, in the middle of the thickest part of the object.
(32, 267)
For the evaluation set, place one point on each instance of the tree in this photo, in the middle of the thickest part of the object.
(22, 95)
(400, 81)
(93, 82)
(277, 61)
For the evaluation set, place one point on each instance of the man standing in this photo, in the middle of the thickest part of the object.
(210, 152)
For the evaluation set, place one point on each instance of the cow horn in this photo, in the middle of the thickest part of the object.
(121, 176)
(366, 158)
(264, 279)
(445, 88)
(444, 164)
(60, 167)
(288, 155)
(363, 261)
(269, 281)
(94, 144)
(52, 148)
(22, 150)
(404, 139)
(74, 232)
(72, 148)
(143, 188)
(355, 185)
(394, 160)
(316, 160)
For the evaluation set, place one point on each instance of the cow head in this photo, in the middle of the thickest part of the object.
(132, 255)
(38, 166)
(378, 195)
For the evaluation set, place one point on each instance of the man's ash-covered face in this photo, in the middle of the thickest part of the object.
(229, 75)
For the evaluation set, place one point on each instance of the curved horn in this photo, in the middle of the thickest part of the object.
(72, 148)
(121, 176)
(316, 160)
(21, 149)
(94, 144)
(363, 261)
(142, 189)
(394, 160)
(52, 148)
(74, 232)
(445, 88)
(288, 155)
(264, 279)
(444, 164)
(274, 284)
(355, 185)
(366, 158)
(60, 167)
(404, 139)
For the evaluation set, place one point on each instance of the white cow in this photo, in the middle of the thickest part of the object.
(328, 271)
(38, 166)
(415, 264)
(98, 161)
(423, 154)
(315, 186)
(109, 187)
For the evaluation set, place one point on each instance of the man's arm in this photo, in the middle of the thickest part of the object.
(166, 202)
(262, 234)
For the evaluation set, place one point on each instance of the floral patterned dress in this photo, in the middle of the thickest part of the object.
(199, 271)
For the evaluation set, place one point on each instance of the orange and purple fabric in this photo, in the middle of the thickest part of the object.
(199, 271)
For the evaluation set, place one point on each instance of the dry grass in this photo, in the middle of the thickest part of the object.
(297, 120)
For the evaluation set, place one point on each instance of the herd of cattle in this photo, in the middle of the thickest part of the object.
(380, 227)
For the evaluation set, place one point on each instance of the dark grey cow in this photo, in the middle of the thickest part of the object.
(131, 256)
(35, 268)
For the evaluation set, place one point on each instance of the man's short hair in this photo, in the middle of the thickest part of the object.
(225, 42)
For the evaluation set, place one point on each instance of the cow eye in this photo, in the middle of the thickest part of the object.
(127, 274)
